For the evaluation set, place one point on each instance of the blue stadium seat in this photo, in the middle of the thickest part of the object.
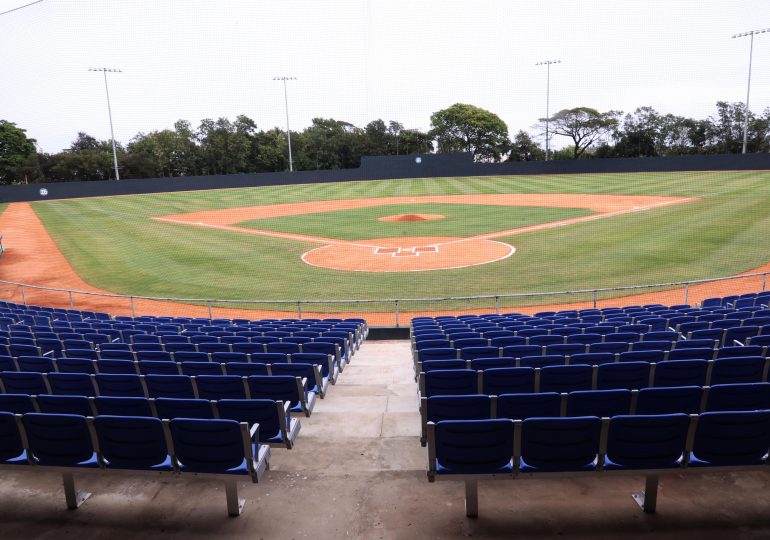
(560, 444)
(123, 406)
(201, 368)
(246, 369)
(72, 384)
(132, 443)
(631, 375)
(120, 385)
(646, 442)
(15, 404)
(61, 440)
(282, 388)
(215, 387)
(668, 400)
(461, 407)
(157, 367)
(602, 403)
(739, 397)
(449, 382)
(183, 408)
(24, 382)
(276, 426)
(745, 369)
(680, 373)
(731, 438)
(522, 406)
(566, 378)
(79, 405)
(170, 386)
(497, 381)
(474, 447)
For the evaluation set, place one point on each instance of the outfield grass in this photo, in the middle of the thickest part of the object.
(460, 220)
(113, 244)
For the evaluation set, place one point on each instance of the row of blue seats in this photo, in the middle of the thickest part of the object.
(738, 300)
(554, 355)
(298, 391)
(602, 403)
(473, 450)
(726, 330)
(148, 351)
(631, 375)
(190, 364)
(276, 425)
(601, 353)
(181, 447)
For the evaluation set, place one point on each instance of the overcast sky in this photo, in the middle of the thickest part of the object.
(359, 60)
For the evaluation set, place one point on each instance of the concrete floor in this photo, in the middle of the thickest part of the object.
(358, 471)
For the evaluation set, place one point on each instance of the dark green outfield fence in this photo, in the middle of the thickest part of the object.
(386, 168)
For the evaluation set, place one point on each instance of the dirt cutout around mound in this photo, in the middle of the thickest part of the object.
(411, 218)
(32, 257)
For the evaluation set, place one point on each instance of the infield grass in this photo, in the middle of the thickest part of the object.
(459, 220)
(113, 244)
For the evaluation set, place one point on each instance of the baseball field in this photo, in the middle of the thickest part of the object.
(414, 238)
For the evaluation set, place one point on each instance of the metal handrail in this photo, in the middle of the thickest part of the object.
(396, 301)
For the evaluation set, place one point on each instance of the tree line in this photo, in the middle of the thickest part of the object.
(225, 146)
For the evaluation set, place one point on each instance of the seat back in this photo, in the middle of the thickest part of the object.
(470, 407)
(59, 439)
(732, 438)
(474, 446)
(739, 397)
(681, 373)
(450, 382)
(275, 387)
(601, 403)
(566, 378)
(209, 446)
(560, 444)
(522, 406)
(16, 403)
(253, 411)
(11, 445)
(183, 408)
(668, 400)
(123, 406)
(497, 381)
(220, 387)
(647, 442)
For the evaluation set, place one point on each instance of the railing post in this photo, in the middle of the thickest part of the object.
(209, 305)
(596, 294)
(299, 309)
(686, 292)
(497, 305)
(397, 325)
(133, 307)
(23, 296)
(764, 280)
(72, 304)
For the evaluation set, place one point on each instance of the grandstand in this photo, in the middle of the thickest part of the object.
(338, 420)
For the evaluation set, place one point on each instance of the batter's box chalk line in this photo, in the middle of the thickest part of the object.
(413, 251)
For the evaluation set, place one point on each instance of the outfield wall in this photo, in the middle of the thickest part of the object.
(384, 168)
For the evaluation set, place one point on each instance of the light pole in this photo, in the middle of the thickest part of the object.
(547, 63)
(109, 112)
(748, 85)
(286, 102)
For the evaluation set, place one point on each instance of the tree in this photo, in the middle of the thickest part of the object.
(523, 148)
(225, 146)
(466, 128)
(725, 130)
(16, 149)
(330, 144)
(583, 125)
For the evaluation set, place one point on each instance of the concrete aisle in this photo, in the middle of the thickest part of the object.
(358, 471)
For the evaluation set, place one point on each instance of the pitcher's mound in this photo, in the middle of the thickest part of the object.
(408, 254)
(412, 217)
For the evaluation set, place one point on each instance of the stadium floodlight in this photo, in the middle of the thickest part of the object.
(547, 63)
(748, 85)
(109, 113)
(286, 102)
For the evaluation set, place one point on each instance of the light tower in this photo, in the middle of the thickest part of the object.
(286, 102)
(547, 63)
(748, 85)
(104, 71)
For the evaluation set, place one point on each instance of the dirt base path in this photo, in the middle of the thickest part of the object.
(32, 257)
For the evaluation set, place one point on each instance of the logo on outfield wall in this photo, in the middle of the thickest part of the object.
(43, 192)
